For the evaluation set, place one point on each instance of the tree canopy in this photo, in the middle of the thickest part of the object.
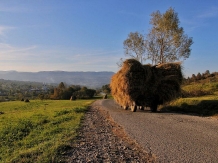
(165, 42)
(134, 46)
(61, 92)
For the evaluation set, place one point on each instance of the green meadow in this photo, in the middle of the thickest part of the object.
(39, 131)
(43, 130)
(203, 106)
(200, 98)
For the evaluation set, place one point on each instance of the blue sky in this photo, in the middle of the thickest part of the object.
(88, 35)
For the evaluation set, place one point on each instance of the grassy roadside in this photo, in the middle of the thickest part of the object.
(39, 131)
(200, 89)
(199, 97)
(203, 106)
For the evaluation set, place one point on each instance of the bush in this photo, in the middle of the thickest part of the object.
(73, 98)
(27, 100)
(195, 93)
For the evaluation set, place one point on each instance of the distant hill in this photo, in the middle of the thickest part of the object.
(89, 79)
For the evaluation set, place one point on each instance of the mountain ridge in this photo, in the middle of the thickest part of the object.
(91, 79)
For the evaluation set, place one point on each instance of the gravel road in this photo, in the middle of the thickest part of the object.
(101, 140)
(171, 137)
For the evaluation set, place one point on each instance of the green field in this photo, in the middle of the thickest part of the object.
(42, 131)
(39, 131)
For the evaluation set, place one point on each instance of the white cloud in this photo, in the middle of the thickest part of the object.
(3, 29)
(6, 50)
(200, 20)
(35, 58)
(211, 12)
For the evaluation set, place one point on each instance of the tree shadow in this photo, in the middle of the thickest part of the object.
(204, 108)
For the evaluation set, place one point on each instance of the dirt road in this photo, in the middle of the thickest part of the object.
(171, 137)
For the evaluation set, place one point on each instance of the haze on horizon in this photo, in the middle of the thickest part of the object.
(88, 35)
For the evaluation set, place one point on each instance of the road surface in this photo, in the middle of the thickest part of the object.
(171, 137)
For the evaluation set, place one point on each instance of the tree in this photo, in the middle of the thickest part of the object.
(134, 46)
(61, 86)
(41, 96)
(193, 77)
(207, 72)
(90, 93)
(59, 91)
(166, 41)
(106, 88)
(199, 76)
(84, 93)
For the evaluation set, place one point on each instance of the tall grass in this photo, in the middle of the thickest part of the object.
(200, 89)
(204, 106)
(39, 131)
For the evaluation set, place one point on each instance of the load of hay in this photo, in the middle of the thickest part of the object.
(167, 80)
(128, 84)
(145, 85)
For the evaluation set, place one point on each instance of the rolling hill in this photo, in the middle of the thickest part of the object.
(90, 79)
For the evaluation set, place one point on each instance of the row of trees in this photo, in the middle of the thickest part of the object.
(16, 90)
(200, 76)
(106, 89)
(165, 42)
(75, 91)
(10, 91)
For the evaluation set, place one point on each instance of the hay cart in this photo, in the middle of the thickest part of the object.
(138, 86)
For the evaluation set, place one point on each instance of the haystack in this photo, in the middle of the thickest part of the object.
(145, 85)
(170, 71)
(167, 80)
(105, 96)
(128, 84)
(27, 100)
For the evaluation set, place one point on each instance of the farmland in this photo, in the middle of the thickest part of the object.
(43, 130)
(39, 131)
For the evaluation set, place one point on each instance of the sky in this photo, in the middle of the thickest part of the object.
(88, 35)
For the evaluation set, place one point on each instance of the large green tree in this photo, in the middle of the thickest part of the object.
(134, 46)
(165, 42)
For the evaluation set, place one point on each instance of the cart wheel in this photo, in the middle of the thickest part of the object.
(133, 108)
(142, 107)
(125, 107)
(154, 108)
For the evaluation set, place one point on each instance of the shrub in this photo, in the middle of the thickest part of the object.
(27, 100)
(195, 93)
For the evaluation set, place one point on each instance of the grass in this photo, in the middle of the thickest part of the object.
(200, 89)
(204, 106)
(209, 86)
(200, 97)
(39, 131)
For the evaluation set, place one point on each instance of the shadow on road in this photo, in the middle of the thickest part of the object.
(204, 108)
